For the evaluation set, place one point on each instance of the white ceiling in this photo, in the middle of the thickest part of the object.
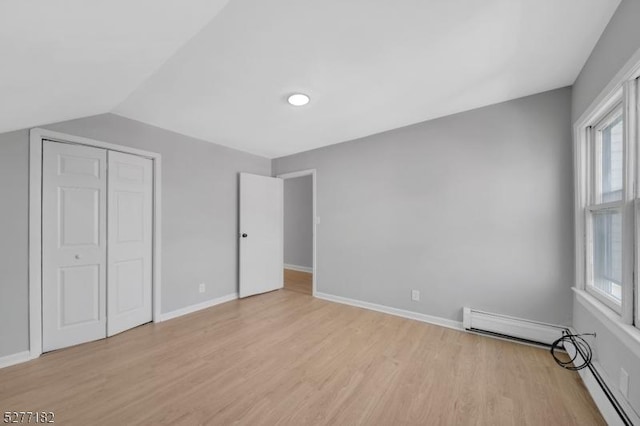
(63, 59)
(368, 65)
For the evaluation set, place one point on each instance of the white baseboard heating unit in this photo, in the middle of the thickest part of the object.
(506, 327)
(543, 334)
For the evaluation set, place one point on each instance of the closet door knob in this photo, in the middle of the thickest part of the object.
(244, 235)
(77, 256)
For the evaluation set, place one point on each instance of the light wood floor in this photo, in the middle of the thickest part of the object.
(290, 359)
(298, 281)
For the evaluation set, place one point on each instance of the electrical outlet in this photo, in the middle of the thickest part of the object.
(624, 383)
(201, 288)
(415, 295)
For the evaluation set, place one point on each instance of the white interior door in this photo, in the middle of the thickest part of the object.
(129, 242)
(261, 234)
(73, 244)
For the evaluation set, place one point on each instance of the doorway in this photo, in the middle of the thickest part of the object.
(300, 231)
(94, 259)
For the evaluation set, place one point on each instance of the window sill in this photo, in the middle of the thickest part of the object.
(627, 334)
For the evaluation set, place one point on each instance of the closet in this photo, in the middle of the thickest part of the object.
(97, 236)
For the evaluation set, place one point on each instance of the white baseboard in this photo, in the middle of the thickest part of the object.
(13, 359)
(456, 325)
(533, 331)
(602, 402)
(197, 307)
(298, 268)
(24, 356)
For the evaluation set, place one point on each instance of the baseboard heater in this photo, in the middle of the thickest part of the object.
(540, 334)
(619, 410)
(506, 327)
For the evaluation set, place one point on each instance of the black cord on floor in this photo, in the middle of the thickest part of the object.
(584, 349)
(581, 347)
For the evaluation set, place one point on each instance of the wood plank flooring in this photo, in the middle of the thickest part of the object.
(298, 281)
(285, 358)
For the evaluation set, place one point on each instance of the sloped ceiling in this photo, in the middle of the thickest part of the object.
(368, 65)
(64, 59)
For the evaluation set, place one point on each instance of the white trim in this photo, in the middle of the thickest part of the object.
(157, 238)
(597, 394)
(603, 102)
(13, 359)
(300, 173)
(636, 277)
(629, 71)
(36, 137)
(35, 244)
(66, 138)
(535, 331)
(298, 268)
(619, 89)
(197, 307)
(443, 322)
(625, 333)
(630, 178)
(580, 164)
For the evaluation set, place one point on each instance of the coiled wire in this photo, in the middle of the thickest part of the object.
(581, 347)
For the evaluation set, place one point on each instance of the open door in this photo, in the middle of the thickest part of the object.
(261, 234)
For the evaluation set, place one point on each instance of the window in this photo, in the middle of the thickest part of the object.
(607, 181)
(609, 155)
(605, 209)
(607, 254)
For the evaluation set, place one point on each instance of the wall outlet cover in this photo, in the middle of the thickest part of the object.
(624, 383)
(415, 295)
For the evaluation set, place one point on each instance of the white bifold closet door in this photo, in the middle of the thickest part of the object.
(74, 244)
(96, 243)
(129, 242)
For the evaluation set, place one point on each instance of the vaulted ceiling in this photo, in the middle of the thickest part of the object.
(221, 70)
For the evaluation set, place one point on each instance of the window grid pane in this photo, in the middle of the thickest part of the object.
(607, 253)
(610, 167)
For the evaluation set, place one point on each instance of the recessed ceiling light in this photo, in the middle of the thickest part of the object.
(298, 99)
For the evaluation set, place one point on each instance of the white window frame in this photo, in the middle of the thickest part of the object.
(633, 132)
(623, 90)
(593, 206)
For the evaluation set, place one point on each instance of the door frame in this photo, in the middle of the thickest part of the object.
(36, 138)
(301, 173)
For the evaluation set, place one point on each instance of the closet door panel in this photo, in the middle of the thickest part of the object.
(129, 242)
(73, 244)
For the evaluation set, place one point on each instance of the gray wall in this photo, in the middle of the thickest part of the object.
(610, 353)
(473, 209)
(298, 221)
(199, 215)
(620, 40)
(14, 247)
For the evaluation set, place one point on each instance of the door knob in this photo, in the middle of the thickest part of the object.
(77, 256)
(244, 235)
